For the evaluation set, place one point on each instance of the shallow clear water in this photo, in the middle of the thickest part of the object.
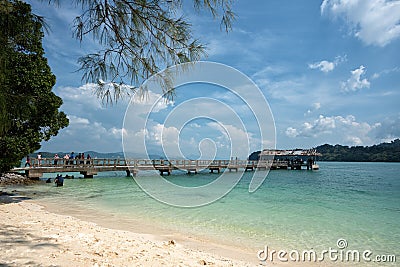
(359, 202)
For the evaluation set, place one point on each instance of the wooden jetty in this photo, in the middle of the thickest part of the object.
(90, 167)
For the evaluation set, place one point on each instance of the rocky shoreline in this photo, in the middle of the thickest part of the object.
(15, 179)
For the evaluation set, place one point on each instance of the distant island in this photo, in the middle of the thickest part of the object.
(384, 152)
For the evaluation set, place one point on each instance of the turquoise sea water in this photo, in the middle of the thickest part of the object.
(359, 202)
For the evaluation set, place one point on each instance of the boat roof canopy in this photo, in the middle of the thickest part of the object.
(293, 152)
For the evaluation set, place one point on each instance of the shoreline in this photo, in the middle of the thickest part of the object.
(196, 242)
(35, 236)
(10, 194)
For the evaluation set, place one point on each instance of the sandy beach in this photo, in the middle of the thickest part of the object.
(32, 236)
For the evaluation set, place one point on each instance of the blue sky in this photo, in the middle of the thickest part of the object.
(330, 71)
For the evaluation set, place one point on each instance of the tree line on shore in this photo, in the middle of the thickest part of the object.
(384, 152)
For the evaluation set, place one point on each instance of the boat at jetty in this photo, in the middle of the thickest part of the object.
(293, 159)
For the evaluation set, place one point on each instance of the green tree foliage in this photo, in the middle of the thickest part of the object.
(29, 109)
(138, 39)
(387, 152)
(255, 155)
(384, 152)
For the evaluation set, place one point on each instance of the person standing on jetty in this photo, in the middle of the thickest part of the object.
(39, 157)
(28, 161)
(72, 156)
(88, 159)
(66, 159)
(56, 157)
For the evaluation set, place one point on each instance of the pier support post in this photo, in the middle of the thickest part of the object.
(88, 174)
(249, 168)
(33, 174)
(212, 169)
(130, 173)
(189, 171)
(167, 171)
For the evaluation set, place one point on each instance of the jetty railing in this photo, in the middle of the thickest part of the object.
(50, 162)
(90, 167)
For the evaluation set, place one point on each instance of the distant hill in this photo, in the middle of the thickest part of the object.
(384, 152)
(255, 155)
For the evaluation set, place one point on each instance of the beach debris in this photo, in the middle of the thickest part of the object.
(202, 262)
(171, 242)
(98, 254)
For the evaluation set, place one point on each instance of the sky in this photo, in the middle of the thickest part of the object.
(329, 71)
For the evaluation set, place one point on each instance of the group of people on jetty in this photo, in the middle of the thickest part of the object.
(67, 159)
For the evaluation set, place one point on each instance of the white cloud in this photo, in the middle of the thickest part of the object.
(322, 124)
(317, 105)
(269, 70)
(327, 66)
(117, 132)
(74, 120)
(150, 99)
(355, 140)
(355, 81)
(291, 132)
(166, 139)
(345, 130)
(195, 125)
(324, 66)
(82, 134)
(220, 140)
(74, 97)
(162, 135)
(96, 127)
(238, 140)
(388, 129)
(288, 90)
(385, 72)
(375, 22)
